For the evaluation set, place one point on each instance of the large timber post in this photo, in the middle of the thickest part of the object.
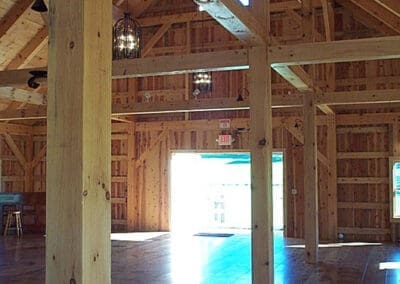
(261, 152)
(78, 246)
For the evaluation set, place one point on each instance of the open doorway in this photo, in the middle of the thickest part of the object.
(210, 192)
(211, 215)
(278, 191)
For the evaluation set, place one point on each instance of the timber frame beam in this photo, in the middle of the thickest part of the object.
(220, 104)
(335, 51)
(281, 55)
(152, 66)
(236, 19)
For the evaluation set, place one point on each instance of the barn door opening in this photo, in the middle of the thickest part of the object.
(210, 192)
(278, 191)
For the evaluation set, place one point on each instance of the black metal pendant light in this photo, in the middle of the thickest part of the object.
(202, 81)
(126, 37)
(39, 6)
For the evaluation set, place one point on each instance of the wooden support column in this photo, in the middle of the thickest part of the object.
(187, 75)
(394, 148)
(260, 142)
(28, 165)
(310, 179)
(131, 198)
(78, 215)
(261, 165)
(332, 179)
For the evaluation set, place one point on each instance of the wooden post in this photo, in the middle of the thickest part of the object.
(259, 80)
(310, 180)
(28, 165)
(78, 215)
(131, 199)
(394, 147)
(332, 182)
(261, 165)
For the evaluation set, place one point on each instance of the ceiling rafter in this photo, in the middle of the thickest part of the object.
(391, 5)
(13, 15)
(237, 20)
(30, 50)
(328, 15)
(155, 38)
(365, 18)
(380, 12)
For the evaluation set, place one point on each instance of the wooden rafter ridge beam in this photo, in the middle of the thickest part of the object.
(20, 95)
(180, 64)
(365, 18)
(7, 21)
(391, 5)
(236, 19)
(335, 51)
(380, 12)
(30, 50)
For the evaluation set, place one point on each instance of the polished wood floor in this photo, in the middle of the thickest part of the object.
(147, 259)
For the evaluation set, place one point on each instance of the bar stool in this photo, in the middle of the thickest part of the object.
(18, 223)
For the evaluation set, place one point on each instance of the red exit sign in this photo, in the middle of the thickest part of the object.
(225, 140)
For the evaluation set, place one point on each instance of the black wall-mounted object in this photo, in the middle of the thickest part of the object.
(36, 75)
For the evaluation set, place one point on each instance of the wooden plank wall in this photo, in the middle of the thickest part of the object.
(362, 203)
(119, 180)
(363, 188)
(13, 174)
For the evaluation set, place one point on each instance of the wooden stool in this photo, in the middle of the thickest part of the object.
(18, 224)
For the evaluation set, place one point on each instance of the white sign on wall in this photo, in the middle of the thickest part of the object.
(225, 123)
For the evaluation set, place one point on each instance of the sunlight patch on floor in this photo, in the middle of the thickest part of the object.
(389, 265)
(136, 237)
(338, 245)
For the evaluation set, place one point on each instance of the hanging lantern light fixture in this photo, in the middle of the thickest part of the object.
(202, 82)
(126, 38)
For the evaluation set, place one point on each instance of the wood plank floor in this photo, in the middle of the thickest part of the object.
(167, 259)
